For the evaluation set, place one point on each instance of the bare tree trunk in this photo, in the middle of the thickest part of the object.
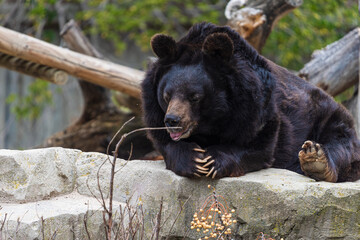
(336, 67)
(254, 19)
(100, 119)
(104, 73)
(35, 70)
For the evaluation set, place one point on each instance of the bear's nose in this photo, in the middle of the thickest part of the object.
(171, 120)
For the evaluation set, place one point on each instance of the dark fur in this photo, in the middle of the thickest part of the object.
(250, 113)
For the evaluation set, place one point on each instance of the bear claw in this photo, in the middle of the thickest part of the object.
(209, 163)
(202, 168)
(202, 171)
(198, 160)
(199, 150)
(213, 176)
(314, 162)
(309, 147)
(211, 170)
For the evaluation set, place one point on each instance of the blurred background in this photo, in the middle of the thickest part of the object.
(31, 109)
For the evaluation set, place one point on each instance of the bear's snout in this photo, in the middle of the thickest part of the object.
(172, 120)
(178, 119)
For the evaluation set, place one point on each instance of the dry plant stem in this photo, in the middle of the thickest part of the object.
(2, 226)
(42, 227)
(85, 223)
(53, 237)
(158, 221)
(177, 216)
(218, 206)
(109, 210)
(143, 224)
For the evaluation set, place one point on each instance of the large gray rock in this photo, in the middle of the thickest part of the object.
(59, 218)
(36, 174)
(279, 203)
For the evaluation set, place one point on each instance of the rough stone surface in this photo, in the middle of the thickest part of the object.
(58, 218)
(36, 174)
(277, 202)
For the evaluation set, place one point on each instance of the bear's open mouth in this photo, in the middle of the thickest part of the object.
(176, 136)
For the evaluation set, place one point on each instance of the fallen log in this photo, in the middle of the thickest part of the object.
(336, 67)
(100, 72)
(254, 19)
(35, 70)
(77, 41)
(100, 118)
(97, 99)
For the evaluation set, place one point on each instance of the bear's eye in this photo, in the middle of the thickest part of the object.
(195, 98)
(166, 97)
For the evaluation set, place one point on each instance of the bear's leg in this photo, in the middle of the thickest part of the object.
(315, 164)
(233, 160)
(182, 158)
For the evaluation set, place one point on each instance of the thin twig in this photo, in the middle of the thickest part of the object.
(108, 210)
(177, 216)
(2, 226)
(117, 133)
(92, 193)
(85, 223)
(42, 227)
(143, 223)
(105, 226)
(53, 237)
(158, 221)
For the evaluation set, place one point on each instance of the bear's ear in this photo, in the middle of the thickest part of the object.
(163, 45)
(218, 45)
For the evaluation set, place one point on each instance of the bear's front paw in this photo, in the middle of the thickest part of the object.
(314, 162)
(204, 166)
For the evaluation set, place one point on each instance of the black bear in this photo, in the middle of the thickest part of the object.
(229, 111)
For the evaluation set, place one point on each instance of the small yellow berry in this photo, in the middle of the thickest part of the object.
(233, 210)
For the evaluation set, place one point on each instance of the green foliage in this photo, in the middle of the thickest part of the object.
(312, 26)
(41, 10)
(42, 13)
(137, 21)
(31, 105)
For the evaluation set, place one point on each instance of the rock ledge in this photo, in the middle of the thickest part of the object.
(48, 191)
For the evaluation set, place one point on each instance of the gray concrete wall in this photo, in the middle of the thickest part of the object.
(23, 134)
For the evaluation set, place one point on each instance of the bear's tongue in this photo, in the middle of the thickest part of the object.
(176, 136)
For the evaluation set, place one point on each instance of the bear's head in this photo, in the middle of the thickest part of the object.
(192, 89)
